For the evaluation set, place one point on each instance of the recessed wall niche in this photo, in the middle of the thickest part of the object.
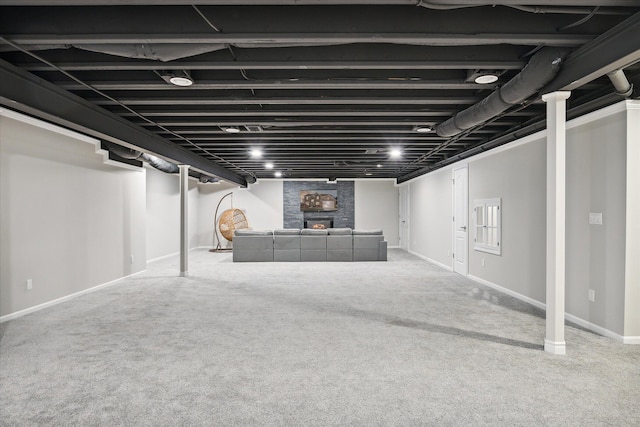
(294, 217)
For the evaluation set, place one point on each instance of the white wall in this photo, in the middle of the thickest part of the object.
(597, 180)
(262, 203)
(518, 177)
(430, 216)
(163, 213)
(376, 206)
(68, 221)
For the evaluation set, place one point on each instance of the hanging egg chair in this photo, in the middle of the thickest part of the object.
(231, 220)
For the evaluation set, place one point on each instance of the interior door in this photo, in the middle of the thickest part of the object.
(460, 220)
(403, 210)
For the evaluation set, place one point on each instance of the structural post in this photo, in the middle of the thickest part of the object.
(184, 220)
(556, 198)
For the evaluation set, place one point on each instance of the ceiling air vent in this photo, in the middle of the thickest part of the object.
(253, 128)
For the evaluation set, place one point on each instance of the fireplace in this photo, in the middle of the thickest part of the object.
(318, 223)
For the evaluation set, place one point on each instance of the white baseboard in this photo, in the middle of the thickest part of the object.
(44, 305)
(509, 292)
(432, 261)
(160, 258)
(570, 317)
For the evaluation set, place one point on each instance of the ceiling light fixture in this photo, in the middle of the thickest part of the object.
(177, 77)
(486, 79)
(378, 165)
(231, 129)
(483, 77)
(423, 128)
(395, 153)
(268, 165)
(277, 174)
(256, 152)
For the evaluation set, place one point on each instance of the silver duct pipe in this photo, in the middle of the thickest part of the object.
(156, 162)
(540, 70)
(620, 83)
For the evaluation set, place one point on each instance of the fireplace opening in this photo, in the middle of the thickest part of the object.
(318, 223)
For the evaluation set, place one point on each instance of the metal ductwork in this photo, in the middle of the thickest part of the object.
(156, 162)
(620, 82)
(540, 70)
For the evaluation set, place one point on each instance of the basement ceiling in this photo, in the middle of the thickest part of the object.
(325, 89)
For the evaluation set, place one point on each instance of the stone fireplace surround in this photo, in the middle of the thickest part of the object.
(343, 217)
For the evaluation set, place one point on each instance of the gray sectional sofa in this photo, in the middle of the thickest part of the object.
(294, 245)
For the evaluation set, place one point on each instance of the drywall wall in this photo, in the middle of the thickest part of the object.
(595, 254)
(597, 181)
(68, 222)
(376, 206)
(163, 213)
(632, 237)
(430, 216)
(261, 202)
(517, 176)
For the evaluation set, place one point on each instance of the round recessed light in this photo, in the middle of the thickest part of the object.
(395, 153)
(378, 165)
(256, 153)
(180, 81)
(368, 174)
(268, 165)
(486, 79)
(231, 129)
(277, 174)
(423, 129)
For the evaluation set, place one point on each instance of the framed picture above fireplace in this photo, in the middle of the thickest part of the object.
(318, 201)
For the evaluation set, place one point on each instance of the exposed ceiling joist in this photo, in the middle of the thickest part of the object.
(30, 94)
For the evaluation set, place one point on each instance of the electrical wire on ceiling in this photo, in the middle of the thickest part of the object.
(580, 21)
(233, 55)
(126, 107)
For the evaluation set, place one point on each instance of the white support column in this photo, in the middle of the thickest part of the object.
(184, 220)
(556, 198)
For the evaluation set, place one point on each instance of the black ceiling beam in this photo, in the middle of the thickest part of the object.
(380, 100)
(293, 123)
(25, 92)
(281, 84)
(615, 49)
(307, 39)
(628, 3)
(248, 114)
(279, 65)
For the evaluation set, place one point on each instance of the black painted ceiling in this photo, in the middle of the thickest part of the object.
(324, 90)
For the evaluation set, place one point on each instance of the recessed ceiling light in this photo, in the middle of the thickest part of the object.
(277, 174)
(423, 128)
(395, 153)
(180, 81)
(378, 165)
(485, 79)
(368, 173)
(268, 165)
(231, 129)
(256, 153)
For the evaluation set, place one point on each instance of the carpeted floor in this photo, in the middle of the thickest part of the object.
(306, 344)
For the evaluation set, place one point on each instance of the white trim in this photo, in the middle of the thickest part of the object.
(631, 340)
(394, 247)
(570, 317)
(160, 258)
(555, 347)
(65, 298)
(69, 133)
(509, 292)
(432, 261)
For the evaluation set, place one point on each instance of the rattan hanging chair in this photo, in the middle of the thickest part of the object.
(231, 220)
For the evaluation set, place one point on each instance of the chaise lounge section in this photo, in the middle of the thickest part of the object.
(294, 245)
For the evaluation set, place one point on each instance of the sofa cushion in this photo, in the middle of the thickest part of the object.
(287, 232)
(339, 231)
(367, 232)
(313, 232)
(253, 233)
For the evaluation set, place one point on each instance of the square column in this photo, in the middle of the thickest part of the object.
(184, 220)
(556, 230)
